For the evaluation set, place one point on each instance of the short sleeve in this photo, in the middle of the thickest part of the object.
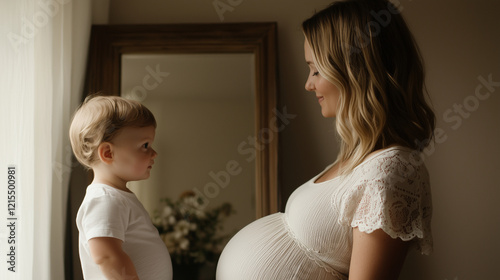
(104, 216)
(393, 194)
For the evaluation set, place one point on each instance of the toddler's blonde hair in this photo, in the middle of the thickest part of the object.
(99, 119)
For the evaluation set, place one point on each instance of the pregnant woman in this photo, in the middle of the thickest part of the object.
(358, 218)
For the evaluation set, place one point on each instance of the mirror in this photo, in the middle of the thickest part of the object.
(212, 88)
(204, 108)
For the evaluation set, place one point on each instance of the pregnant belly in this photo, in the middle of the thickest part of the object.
(264, 250)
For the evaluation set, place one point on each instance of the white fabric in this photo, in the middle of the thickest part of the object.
(109, 212)
(313, 238)
(40, 81)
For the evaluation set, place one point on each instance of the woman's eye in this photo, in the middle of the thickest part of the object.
(316, 73)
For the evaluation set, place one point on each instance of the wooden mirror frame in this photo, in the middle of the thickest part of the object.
(109, 42)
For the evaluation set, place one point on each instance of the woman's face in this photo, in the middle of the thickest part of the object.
(327, 93)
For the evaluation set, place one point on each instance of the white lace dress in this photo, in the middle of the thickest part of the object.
(313, 238)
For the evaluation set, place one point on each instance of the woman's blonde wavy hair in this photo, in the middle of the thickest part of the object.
(365, 48)
(100, 119)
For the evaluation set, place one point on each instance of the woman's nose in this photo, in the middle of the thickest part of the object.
(309, 85)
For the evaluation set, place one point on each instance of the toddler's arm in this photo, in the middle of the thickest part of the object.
(114, 263)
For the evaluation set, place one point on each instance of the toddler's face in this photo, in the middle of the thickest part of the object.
(133, 153)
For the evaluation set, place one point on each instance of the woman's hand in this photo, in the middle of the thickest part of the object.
(376, 256)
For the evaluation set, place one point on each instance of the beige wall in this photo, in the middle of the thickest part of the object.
(460, 41)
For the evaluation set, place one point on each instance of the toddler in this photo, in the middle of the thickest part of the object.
(113, 136)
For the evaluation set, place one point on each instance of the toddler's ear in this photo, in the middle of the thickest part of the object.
(105, 153)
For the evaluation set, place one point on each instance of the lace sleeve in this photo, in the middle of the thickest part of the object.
(392, 194)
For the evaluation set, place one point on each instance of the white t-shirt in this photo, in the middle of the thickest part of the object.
(110, 212)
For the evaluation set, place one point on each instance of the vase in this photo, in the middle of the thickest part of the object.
(195, 271)
(186, 271)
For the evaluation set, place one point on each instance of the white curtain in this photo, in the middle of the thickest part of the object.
(43, 48)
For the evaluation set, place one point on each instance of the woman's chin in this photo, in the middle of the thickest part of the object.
(327, 114)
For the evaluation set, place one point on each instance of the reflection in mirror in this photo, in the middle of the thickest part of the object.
(204, 106)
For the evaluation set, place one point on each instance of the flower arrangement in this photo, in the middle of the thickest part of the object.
(190, 233)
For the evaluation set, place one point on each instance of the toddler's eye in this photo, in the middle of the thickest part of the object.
(145, 146)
